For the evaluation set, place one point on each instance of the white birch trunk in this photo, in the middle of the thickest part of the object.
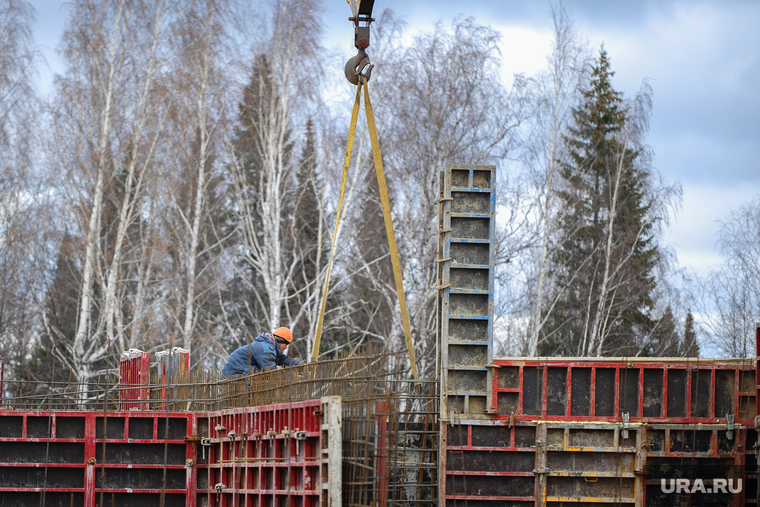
(198, 209)
(126, 210)
(93, 233)
(596, 339)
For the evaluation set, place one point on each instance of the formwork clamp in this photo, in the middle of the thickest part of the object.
(730, 426)
(205, 442)
(626, 424)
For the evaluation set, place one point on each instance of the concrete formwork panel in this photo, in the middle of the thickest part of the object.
(272, 455)
(574, 431)
(552, 432)
(466, 283)
(93, 458)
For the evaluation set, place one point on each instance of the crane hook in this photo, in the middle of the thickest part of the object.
(359, 64)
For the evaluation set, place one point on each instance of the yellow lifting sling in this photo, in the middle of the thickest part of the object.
(385, 202)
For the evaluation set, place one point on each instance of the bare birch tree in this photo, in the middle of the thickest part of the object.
(21, 226)
(151, 106)
(108, 115)
(453, 110)
(263, 166)
(558, 91)
(727, 300)
(194, 183)
(94, 44)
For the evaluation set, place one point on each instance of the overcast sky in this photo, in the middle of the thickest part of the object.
(701, 59)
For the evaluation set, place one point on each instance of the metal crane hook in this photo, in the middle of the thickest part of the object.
(357, 65)
(362, 19)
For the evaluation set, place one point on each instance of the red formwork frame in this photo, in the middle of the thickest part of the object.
(134, 378)
(457, 433)
(89, 441)
(743, 398)
(265, 455)
(297, 456)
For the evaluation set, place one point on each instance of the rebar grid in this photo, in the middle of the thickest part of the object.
(390, 427)
(390, 446)
(208, 390)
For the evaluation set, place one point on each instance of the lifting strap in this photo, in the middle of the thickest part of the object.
(385, 203)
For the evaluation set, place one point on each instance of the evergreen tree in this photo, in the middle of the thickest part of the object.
(60, 314)
(690, 347)
(247, 297)
(307, 208)
(312, 250)
(372, 272)
(663, 339)
(604, 255)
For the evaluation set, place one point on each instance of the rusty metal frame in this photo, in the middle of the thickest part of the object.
(87, 441)
(742, 399)
(462, 213)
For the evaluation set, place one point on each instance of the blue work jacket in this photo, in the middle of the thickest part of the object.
(262, 354)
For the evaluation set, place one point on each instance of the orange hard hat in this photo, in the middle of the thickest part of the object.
(284, 333)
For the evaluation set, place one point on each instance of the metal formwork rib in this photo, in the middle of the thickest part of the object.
(466, 276)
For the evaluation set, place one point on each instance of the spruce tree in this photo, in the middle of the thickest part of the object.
(307, 239)
(603, 238)
(663, 339)
(307, 207)
(690, 347)
(247, 297)
(60, 310)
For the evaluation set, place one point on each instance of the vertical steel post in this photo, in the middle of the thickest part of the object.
(332, 450)
(757, 405)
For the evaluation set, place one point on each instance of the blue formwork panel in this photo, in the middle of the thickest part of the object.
(467, 220)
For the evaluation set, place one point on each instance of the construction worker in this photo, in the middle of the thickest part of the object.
(265, 353)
